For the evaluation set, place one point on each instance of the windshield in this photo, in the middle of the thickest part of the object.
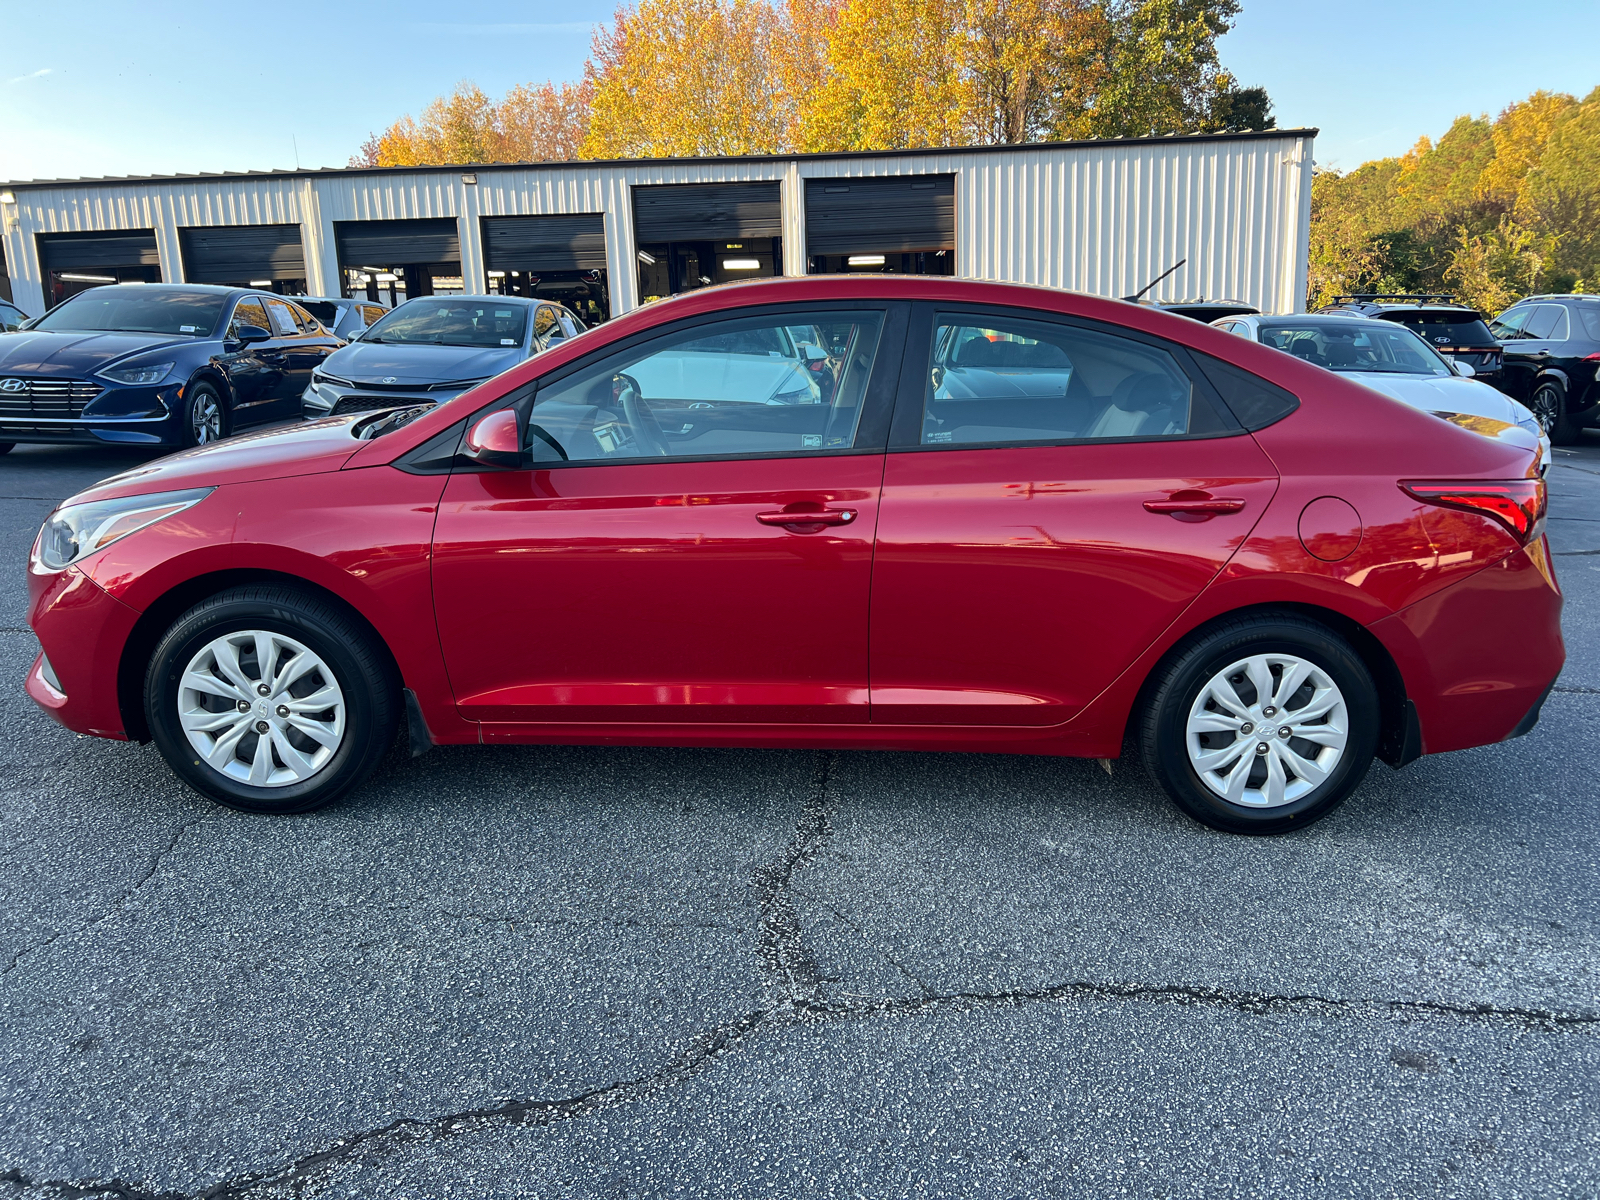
(452, 323)
(1357, 346)
(136, 309)
(1444, 328)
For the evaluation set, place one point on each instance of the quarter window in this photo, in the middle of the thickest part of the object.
(736, 388)
(1003, 380)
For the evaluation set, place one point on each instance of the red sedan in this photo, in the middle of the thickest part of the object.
(830, 512)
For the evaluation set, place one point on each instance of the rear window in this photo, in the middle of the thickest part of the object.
(323, 310)
(1443, 329)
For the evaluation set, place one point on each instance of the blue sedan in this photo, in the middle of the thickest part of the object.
(432, 349)
(157, 365)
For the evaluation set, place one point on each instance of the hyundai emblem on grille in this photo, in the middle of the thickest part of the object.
(12, 385)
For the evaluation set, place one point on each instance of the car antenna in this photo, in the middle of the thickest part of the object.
(1139, 295)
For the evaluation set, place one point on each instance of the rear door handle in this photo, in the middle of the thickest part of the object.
(1209, 506)
(826, 516)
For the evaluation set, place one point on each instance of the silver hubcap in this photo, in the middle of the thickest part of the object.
(206, 417)
(1545, 410)
(1267, 730)
(261, 708)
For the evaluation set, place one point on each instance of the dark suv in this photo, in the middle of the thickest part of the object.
(1454, 330)
(1552, 357)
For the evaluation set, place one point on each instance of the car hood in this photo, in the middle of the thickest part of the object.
(73, 354)
(365, 362)
(310, 448)
(1465, 402)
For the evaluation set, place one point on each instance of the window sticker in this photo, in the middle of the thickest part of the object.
(811, 440)
(188, 329)
(503, 312)
(508, 341)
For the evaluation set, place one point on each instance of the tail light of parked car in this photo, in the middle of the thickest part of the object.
(1518, 504)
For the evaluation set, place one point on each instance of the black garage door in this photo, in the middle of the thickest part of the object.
(388, 243)
(86, 251)
(889, 213)
(242, 253)
(569, 242)
(706, 212)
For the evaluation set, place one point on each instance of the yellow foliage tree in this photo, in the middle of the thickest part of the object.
(686, 77)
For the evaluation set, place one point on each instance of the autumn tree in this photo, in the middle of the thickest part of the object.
(684, 78)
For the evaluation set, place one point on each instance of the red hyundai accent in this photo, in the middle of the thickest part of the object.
(869, 513)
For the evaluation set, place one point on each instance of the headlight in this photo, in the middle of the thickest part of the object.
(318, 375)
(145, 373)
(80, 529)
(1526, 420)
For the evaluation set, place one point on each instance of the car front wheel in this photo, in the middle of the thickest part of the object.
(270, 700)
(1262, 725)
(204, 419)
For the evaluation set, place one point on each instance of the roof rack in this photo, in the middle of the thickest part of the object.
(1419, 297)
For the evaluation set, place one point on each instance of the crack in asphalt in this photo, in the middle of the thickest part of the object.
(790, 971)
(1577, 691)
(114, 906)
(927, 992)
(794, 983)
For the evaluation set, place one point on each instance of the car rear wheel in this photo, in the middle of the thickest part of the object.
(204, 418)
(270, 700)
(1262, 725)
(1549, 405)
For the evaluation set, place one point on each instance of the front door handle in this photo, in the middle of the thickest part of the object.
(1194, 504)
(790, 518)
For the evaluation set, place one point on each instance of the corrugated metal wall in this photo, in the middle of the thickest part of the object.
(1097, 218)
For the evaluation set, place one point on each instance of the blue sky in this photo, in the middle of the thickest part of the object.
(96, 88)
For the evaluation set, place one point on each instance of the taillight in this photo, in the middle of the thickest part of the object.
(1518, 504)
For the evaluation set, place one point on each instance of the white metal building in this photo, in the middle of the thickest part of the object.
(1102, 217)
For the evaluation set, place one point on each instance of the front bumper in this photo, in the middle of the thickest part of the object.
(119, 415)
(82, 630)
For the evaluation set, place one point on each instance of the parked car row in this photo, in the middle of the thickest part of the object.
(867, 512)
(187, 364)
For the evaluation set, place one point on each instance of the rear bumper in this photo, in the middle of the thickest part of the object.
(83, 631)
(1479, 657)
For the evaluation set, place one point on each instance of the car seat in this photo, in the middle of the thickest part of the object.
(1139, 404)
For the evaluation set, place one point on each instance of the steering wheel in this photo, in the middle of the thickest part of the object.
(646, 429)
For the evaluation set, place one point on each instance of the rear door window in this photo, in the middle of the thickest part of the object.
(371, 314)
(283, 322)
(1591, 320)
(1547, 323)
(1005, 380)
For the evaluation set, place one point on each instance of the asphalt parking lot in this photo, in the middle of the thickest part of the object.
(601, 972)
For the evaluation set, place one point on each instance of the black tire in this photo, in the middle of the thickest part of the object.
(360, 667)
(1163, 725)
(1549, 407)
(205, 415)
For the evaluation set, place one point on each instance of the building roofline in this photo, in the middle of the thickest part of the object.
(326, 172)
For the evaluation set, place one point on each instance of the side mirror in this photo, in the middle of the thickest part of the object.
(496, 440)
(250, 333)
(1463, 369)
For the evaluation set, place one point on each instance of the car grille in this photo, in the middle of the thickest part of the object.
(27, 397)
(356, 404)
